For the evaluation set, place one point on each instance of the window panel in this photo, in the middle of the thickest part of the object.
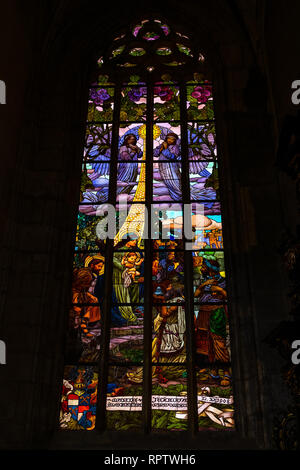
(149, 159)
(86, 311)
(87, 226)
(128, 280)
(209, 277)
(101, 104)
(84, 331)
(200, 102)
(206, 224)
(204, 181)
(126, 337)
(130, 224)
(167, 221)
(79, 398)
(169, 330)
(166, 142)
(131, 181)
(124, 398)
(132, 142)
(98, 142)
(215, 398)
(169, 398)
(167, 182)
(166, 102)
(201, 141)
(133, 103)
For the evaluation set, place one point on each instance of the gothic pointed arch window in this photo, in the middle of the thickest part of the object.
(148, 337)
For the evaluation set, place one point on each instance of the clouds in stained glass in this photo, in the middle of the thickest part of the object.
(207, 231)
(128, 178)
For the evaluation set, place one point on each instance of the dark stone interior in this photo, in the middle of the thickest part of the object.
(47, 51)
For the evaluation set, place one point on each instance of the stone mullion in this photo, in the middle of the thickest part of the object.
(109, 251)
(188, 273)
(147, 371)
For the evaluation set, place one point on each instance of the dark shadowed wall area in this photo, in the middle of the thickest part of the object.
(47, 53)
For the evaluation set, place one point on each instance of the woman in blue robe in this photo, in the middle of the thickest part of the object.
(169, 154)
(128, 173)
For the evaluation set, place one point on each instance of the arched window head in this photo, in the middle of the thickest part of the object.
(151, 47)
(148, 338)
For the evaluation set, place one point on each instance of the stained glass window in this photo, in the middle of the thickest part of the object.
(148, 336)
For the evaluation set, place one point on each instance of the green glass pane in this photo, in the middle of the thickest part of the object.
(124, 398)
(101, 104)
(137, 51)
(133, 103)
(215, 398)
(209, 277)
(166, 102)
(200, 102)
(87, 223)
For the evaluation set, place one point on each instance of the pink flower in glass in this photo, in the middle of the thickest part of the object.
(201, 94)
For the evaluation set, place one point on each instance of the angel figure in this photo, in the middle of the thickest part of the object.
(131, 261)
